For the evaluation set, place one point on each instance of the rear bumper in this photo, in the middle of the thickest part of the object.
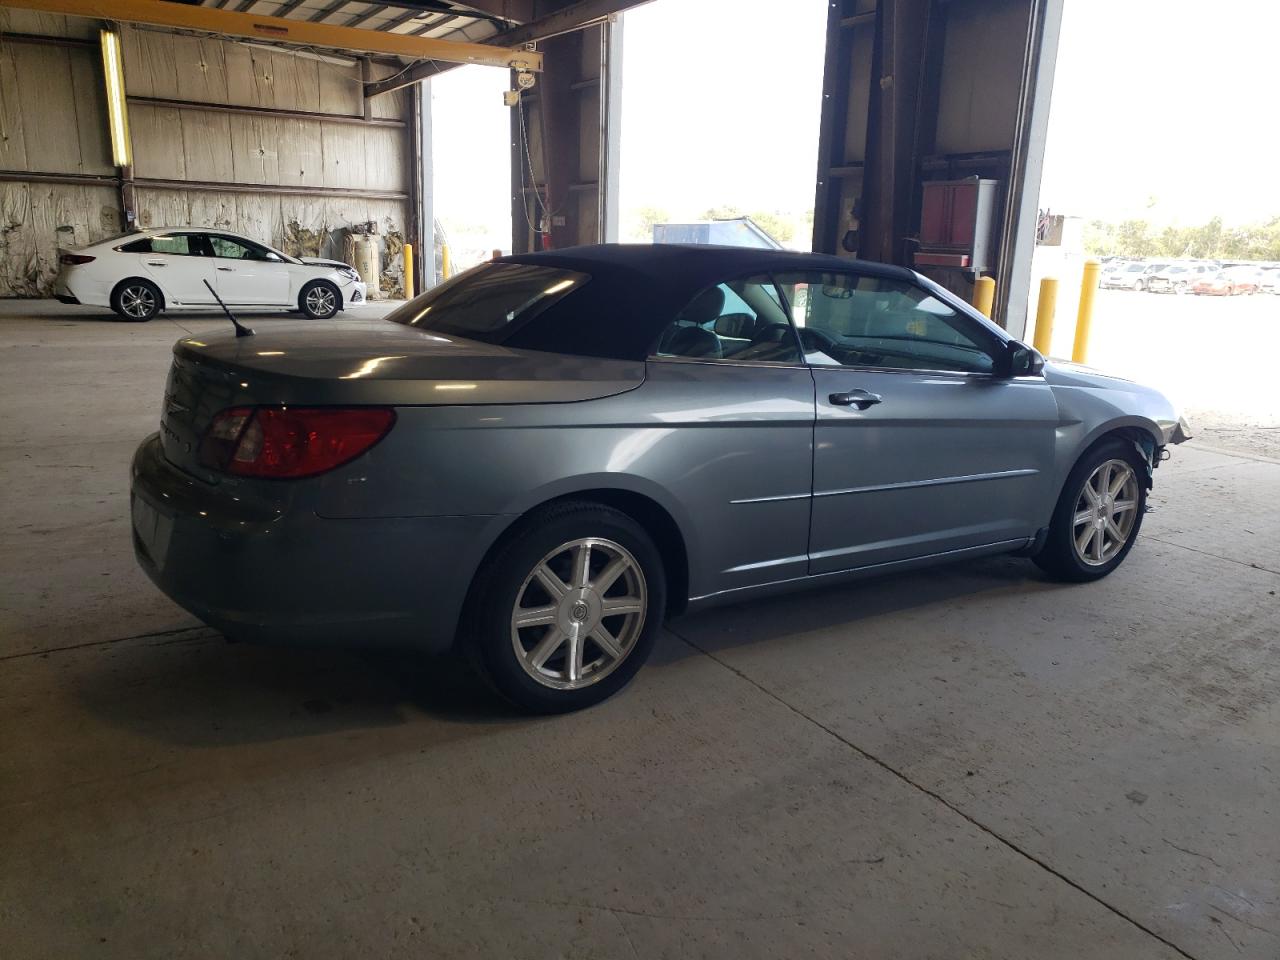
(263, 575)
(76, 286)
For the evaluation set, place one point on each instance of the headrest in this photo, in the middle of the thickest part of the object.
(705, 307)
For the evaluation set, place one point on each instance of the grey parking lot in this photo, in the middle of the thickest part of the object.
(971, 761)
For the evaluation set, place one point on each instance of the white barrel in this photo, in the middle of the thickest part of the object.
(365, 254)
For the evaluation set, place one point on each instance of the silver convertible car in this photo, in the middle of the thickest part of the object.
(539, 460)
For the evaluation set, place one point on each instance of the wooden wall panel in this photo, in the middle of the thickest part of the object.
(90, 96)
(255, 154)
(384, 158)
(13, 138)
(46, 101)
(201, 67)
(47, 24)
(342, 92)
(157, 142)
(344, 160)
(301, 156)
(206, 142)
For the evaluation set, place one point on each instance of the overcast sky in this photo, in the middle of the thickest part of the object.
(1163, 99)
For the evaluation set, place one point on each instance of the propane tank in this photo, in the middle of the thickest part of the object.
(365, 254)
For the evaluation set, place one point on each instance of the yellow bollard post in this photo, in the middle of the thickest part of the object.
(1084, 318)
(984, 295)
(1045, 310)
(408, 271)
(444, 261)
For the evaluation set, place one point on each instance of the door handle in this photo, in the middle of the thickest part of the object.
(157, 263)
(855, 398)
(226, 269)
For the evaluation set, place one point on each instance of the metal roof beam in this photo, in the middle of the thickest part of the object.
(325, 12)
(276, 29)
(575, 16)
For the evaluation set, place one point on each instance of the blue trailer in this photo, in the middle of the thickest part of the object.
(739, 232)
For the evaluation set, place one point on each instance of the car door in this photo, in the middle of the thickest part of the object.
(919, 447)
(248, 273)
(728, 387)
(177, 263)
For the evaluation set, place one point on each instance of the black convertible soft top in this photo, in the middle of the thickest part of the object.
(637, 289)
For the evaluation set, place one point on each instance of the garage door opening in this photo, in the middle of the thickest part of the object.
(472, 155)
(720, 106)
(1158, 163)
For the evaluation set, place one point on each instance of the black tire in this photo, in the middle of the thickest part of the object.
(136, 300)
(1060, 557)
(507, 578)
(320, 300)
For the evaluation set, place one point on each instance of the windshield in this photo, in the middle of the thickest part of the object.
(489, 302)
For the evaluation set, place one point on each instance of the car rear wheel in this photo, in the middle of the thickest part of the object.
(319, 300)
(568, 610)
(136, 299)
(1098, 515)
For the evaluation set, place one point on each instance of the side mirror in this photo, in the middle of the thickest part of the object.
(1021, 360)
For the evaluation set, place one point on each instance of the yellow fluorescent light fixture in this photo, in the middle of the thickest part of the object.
(117, 114)
(557, 287)
(455, 386)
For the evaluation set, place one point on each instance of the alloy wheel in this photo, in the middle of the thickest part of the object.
(1105, 512)
(137, 302)
(320, 301)
(579, 613)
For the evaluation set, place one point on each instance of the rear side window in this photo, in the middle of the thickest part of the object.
(177, 244)
(741, 320)
(490, 302)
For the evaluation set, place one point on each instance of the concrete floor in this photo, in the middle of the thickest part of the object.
(970, 762)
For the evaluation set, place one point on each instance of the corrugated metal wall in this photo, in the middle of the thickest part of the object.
(297, 182)
(52, 111)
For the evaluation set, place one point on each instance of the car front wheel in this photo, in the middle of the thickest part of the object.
(136, 299)
(319, 300)
(1098, 515)
(566, 613)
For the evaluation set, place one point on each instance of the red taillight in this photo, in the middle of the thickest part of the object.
(74, 259)
(286, 443)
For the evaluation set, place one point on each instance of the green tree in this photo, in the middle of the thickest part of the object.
(779, 226)
(721, 213)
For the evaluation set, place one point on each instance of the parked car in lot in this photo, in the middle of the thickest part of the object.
(1131, 276)
(1217, 285)
(1229, 282)
(539, 460)
(141, 273)
(1244, 279)
(1179, 277)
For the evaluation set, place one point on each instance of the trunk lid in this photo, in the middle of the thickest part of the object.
(360, 363)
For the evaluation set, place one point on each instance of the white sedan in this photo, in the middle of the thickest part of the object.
(141, 273)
